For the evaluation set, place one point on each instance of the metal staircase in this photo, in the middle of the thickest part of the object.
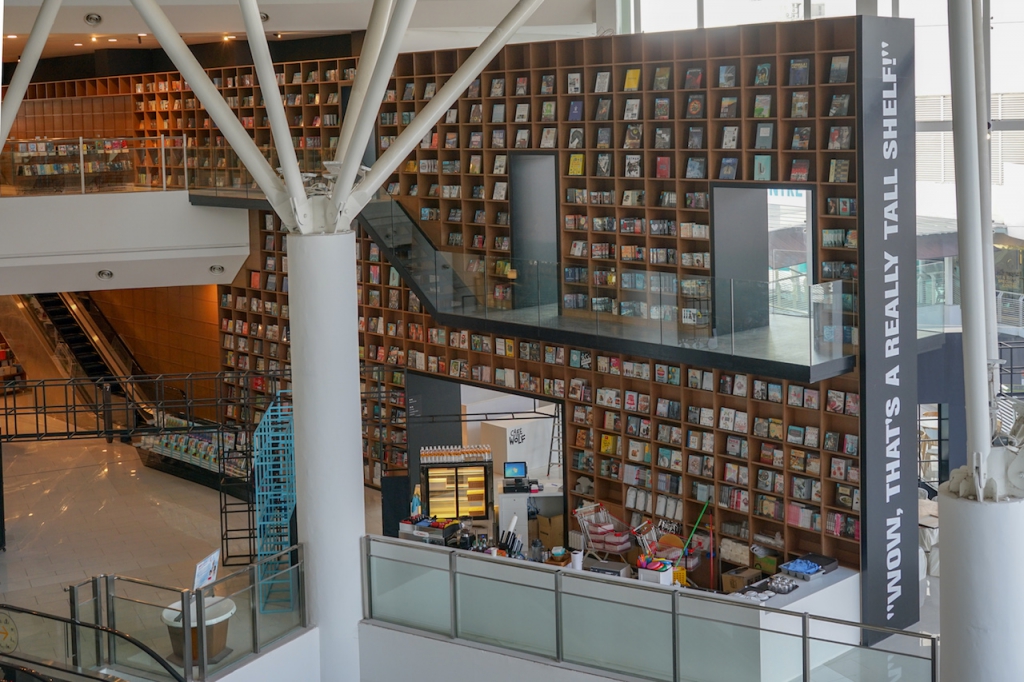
(274, 473)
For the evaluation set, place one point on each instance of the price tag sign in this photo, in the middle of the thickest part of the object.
(206, 570)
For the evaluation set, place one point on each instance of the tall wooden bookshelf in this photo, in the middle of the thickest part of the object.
(657, 222)
(404, 338)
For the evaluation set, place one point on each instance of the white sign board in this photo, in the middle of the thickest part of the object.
(206, 570)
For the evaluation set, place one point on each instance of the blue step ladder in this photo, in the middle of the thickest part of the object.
(274, 469)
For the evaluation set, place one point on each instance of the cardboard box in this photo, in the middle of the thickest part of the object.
(738, 578)
(551, 530)
(658, 577)
(533, 528)
(767, 564)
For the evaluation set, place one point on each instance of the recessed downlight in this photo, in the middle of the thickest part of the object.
(217, 269)
(105, 274)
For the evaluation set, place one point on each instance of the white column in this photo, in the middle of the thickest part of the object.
(969, 229)
(328, 444)
(982, 616)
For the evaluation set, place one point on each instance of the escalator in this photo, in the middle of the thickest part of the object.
(81, 348)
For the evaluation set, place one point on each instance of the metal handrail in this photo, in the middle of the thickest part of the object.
(186, 597)
(110, 632)
(675, 593)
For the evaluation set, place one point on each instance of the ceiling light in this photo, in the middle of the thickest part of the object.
(105, 274)
(111, 40)
(216, 269)
(94, 39)
(12, 37)
(78, 44)
(143, 35)
(229, 37)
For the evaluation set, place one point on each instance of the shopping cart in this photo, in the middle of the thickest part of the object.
(604, 534)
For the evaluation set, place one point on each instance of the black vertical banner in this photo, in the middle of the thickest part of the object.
(888, 321)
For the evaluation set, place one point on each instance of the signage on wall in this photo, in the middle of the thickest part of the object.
(888, 319)
(8, 633)
(516, 437)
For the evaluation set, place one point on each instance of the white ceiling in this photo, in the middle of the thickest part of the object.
(436, 23)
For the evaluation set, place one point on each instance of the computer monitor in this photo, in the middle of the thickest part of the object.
(515, 469)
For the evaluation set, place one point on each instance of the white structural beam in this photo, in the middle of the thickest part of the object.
(432, 112)
(267, 79)
(983, 100)
(222, 115)
(366, 114)
(380, 17)
(27, 66)
(969, 232)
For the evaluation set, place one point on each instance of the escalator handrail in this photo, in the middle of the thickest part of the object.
(43, 677)
(100, 628)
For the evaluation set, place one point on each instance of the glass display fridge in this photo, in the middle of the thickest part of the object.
(451, 490)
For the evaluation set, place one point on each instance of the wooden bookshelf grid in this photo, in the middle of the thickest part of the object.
(162, 104)
(638, 127)
(643, 441)
(254, 317)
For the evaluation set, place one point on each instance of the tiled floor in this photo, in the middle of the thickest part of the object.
(81, 508)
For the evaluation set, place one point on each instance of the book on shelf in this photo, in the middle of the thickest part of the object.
(728, 108)
(523, 138)
(839, 170)
(574, 84)
(576, 110)
(547, 84)
(631, 82)
(762, 167)
(696, 168)
(498, 113)
(729, 168)
(661, 108)
(695, 139)
(604, 165)
(662, 76)
(695, 106)
(730, 137)
(840, 105)
(799, 71)
(576, 162)
(694, 79)
(727, 76)
(522, 113)
(764, 136)
(763, 74)
(800, 170)
(548, 111)
(602, 81)
(839, 137)
(498, 138)
(522, 86)
(549, 139)
(663, 167)
(474, 89)
(634, 136)
(801, 138)
(603, 111)
(631, 110)
(762, 106)
(497, 87)
(633, 166)
(604, 138)
(839, 69)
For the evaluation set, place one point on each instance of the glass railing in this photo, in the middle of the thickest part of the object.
(660, 632)
(243, 612)
(217, 170)
(83, 165)
(789, 320)
(80, 648)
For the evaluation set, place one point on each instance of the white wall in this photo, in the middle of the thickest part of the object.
(147, 239)
(439, 660)
(477, 400)
(296, 659)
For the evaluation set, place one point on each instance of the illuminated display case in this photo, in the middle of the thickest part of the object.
(451, 490)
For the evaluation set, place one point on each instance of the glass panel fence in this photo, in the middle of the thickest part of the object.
(526, 602)
(151, 613)
(660, 632)
(228, 639)
(92, 165)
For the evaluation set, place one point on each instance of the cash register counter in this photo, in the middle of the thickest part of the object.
(549, 502)
(760, 651)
